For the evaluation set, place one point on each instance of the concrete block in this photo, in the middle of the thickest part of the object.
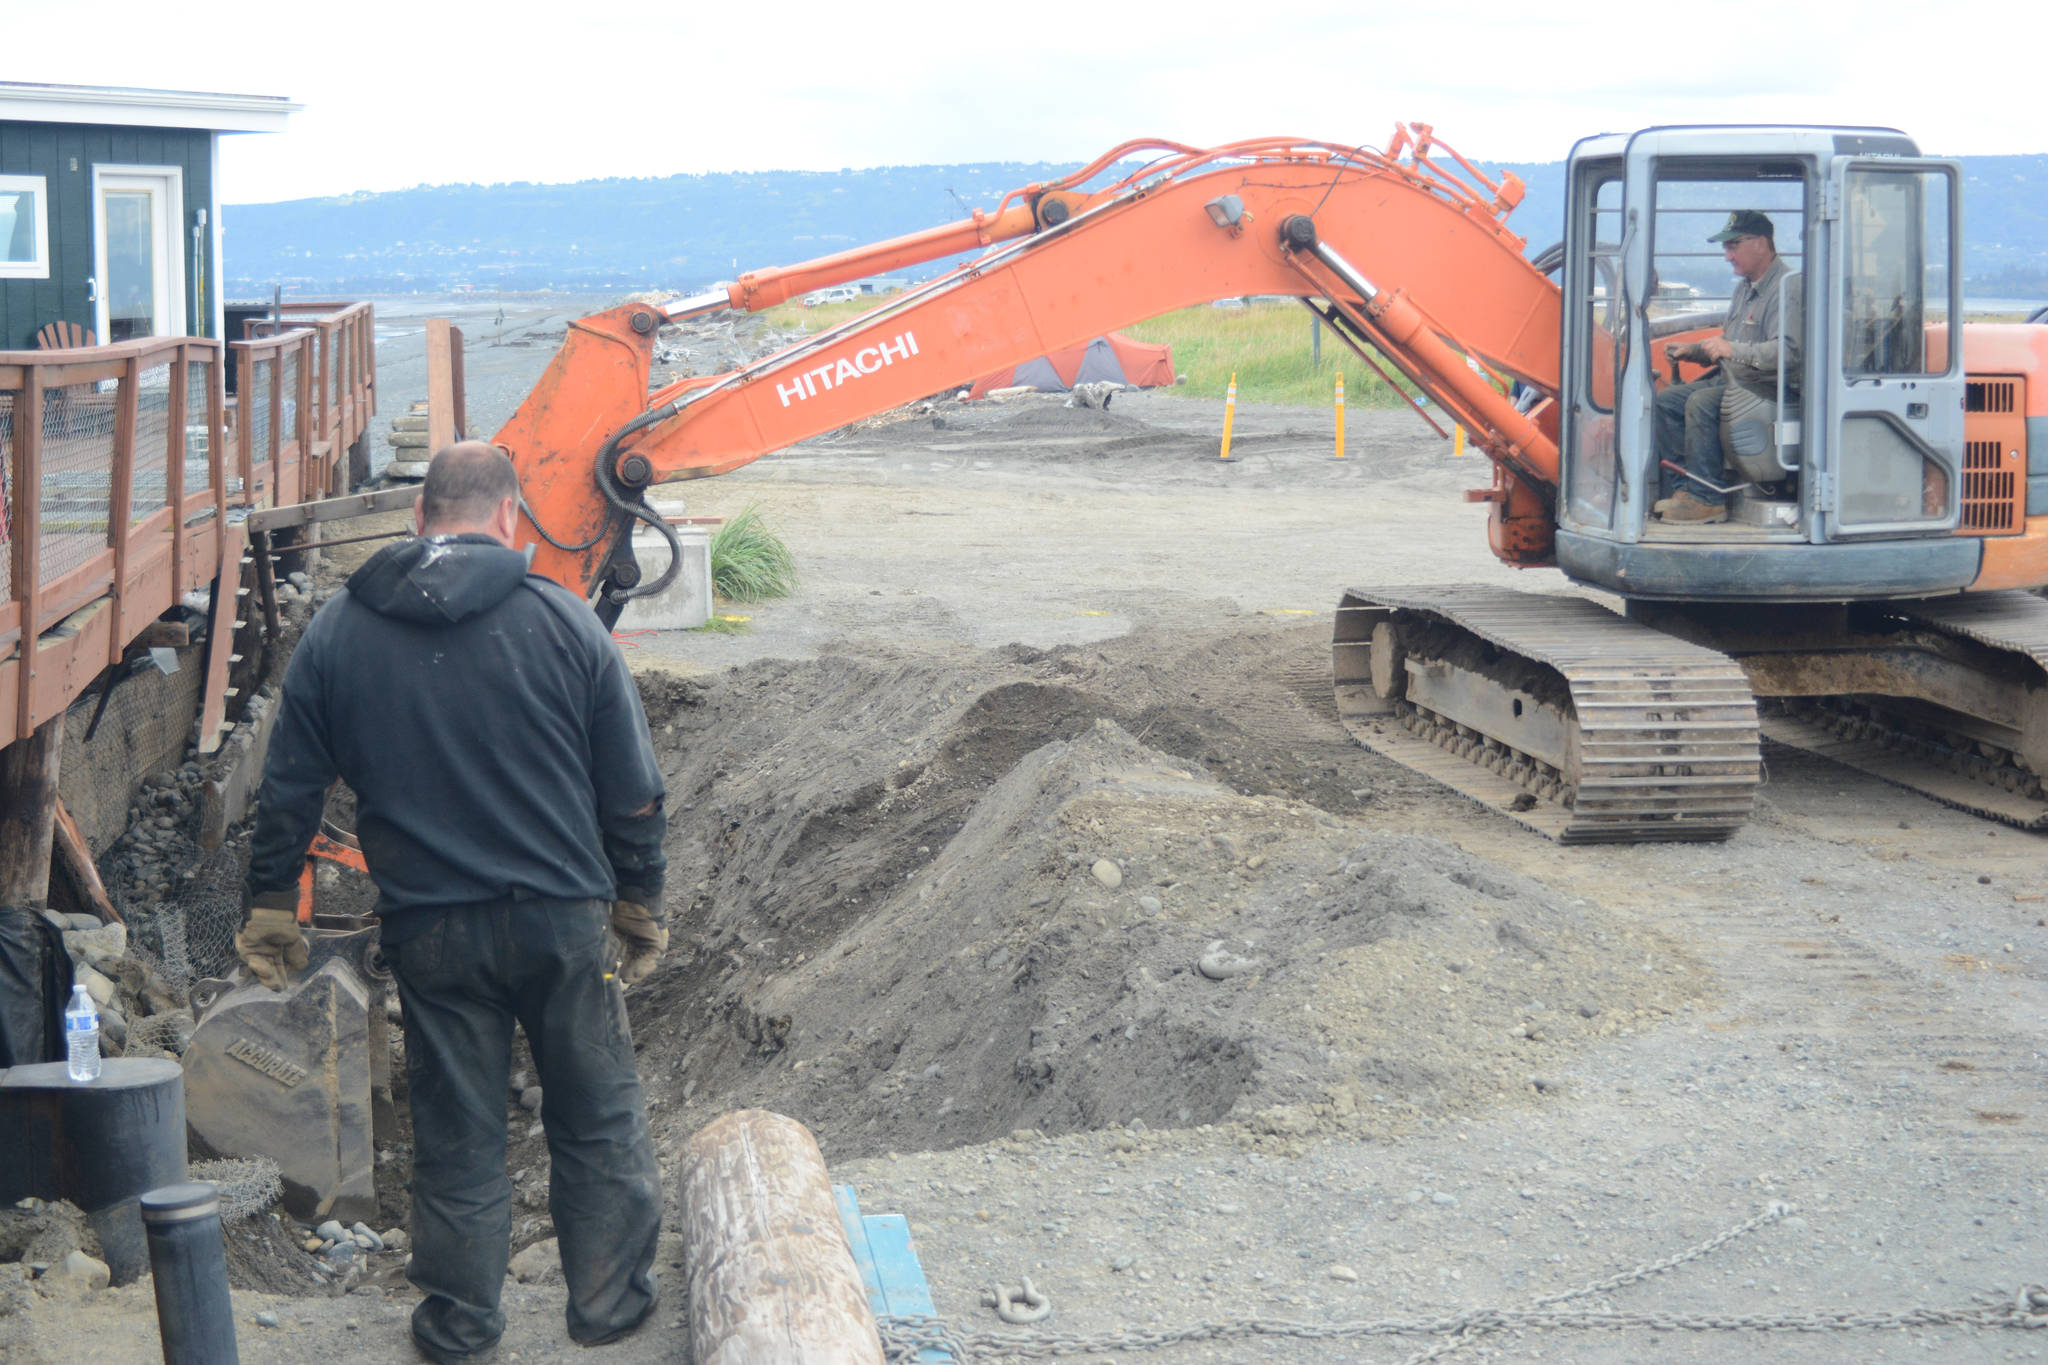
(286, 1075)
(686, 603)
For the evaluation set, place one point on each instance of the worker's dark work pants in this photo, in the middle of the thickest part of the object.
(1689, 432)
(465, 974)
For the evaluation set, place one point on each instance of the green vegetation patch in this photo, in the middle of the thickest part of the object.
(749, 562)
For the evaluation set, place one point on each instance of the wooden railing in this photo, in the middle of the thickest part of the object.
(122, 472)
(303, 396)
(115, 489)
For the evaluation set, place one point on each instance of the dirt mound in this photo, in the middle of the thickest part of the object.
(937, 898)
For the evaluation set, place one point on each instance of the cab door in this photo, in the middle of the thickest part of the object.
(1894, 410)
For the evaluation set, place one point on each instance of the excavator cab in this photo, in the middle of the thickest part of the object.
(1843, 476)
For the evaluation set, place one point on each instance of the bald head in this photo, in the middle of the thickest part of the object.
(470, 487)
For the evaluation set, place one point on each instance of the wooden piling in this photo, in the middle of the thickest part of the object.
(28, 814)
(772, 1280)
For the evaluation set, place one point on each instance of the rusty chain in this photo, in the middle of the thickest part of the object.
(904, 1337)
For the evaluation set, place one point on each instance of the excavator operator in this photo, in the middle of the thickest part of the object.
(1691, 417)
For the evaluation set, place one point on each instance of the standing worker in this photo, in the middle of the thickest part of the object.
(509, 806)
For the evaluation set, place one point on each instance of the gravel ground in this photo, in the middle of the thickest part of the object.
(1859, 1037)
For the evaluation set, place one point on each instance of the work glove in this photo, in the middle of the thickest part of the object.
(645, 939)
(269, 943)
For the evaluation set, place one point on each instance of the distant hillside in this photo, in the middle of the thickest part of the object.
(684, 231)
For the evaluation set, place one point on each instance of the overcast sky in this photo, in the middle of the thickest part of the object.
(399, 94)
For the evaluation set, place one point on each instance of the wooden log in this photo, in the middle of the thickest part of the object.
(28, 812)
(771, 1277)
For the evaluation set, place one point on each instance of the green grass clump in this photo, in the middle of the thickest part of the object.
(749, 562)
(1270, 347)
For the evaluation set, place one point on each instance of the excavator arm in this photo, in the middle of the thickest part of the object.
(1399, 253)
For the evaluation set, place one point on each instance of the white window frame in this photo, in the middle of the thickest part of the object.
(172, 244)
(39, 268)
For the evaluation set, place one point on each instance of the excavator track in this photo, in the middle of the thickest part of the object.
(1909, 750)
(1560, 714)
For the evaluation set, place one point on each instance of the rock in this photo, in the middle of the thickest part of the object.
(366, 1239)
(331, 1231)
(1444, 1200)
(529, 1099)
(341, 1255)
(1150, 904)
(1344, 1273)
(98, 987)
(1108, 873)
(312, 1244)
(520, 1080)
(266, 1319)
(44, 1233)
(81, 1271)
(1219, 963)
(394, 1239)
(84, 923)
(537, 1262)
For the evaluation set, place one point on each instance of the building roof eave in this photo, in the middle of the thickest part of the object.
(128, 106)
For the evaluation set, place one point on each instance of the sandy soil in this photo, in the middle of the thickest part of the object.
(1046, 730)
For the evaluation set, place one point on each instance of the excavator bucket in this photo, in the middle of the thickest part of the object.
(300, 1075)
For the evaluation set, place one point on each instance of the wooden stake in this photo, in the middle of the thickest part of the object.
(441, 417)
(76, 859)
(28, 813)
(1340, 414)
(1229, 412)
(771, 1277)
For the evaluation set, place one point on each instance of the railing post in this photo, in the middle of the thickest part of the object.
(276, 452)
(245, 427)
(121, 500)
(174, 462)
(28, 540)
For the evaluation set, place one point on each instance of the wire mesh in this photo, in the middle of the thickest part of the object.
(199, 382)
(188, 931)
(256, 409)
(246, 1185)
(150, 489)
(6, 496)
(289, 409)
(77, 459)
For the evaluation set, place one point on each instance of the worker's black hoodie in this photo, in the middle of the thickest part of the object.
(488, 727)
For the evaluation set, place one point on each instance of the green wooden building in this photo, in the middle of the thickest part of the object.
(110, 207)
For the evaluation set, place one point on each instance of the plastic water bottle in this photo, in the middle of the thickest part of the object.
(82, 1037)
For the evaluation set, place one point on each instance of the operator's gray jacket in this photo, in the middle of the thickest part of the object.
(1755, 332)
(489, 729)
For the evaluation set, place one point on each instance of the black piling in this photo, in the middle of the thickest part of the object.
(189, 1263)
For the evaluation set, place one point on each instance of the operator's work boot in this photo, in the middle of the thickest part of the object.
(1683, 506)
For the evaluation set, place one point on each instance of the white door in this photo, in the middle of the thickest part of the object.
(139, 267)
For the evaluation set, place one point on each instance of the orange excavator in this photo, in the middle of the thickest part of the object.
(1886, 516)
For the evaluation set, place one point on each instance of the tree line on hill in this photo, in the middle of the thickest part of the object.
(687, 231)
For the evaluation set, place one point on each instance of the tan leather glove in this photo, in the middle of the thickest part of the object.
(269, 943)
(645, 939)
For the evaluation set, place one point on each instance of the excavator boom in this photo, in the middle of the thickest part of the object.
(1273, 217)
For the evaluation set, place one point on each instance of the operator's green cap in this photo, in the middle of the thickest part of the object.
(1745, 223)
